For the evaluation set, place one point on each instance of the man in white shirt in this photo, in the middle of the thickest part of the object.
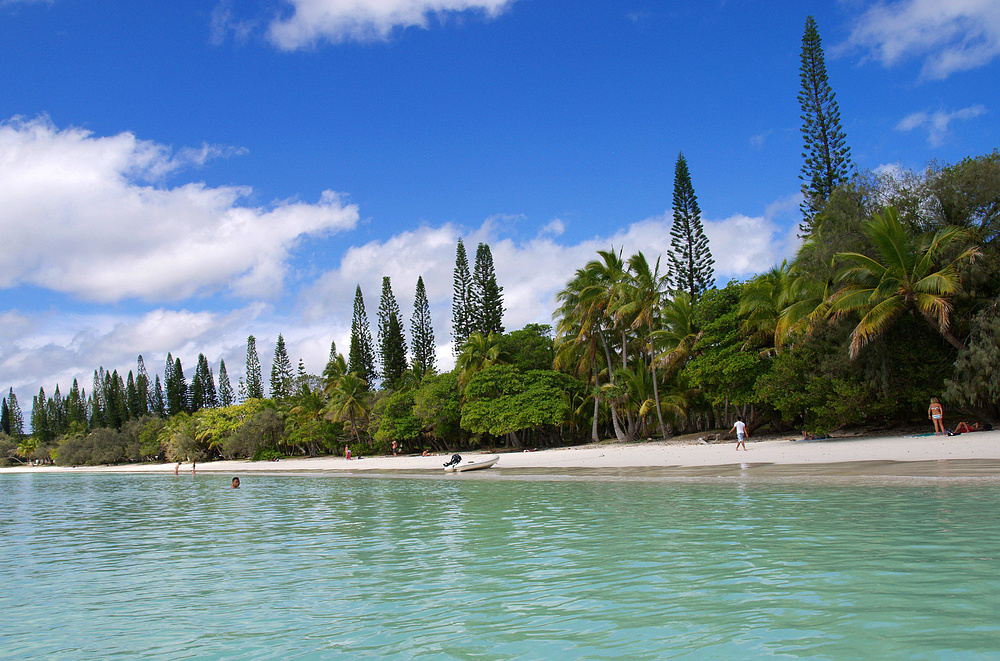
(741, 432)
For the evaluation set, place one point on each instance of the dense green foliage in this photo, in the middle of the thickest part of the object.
(893, 297)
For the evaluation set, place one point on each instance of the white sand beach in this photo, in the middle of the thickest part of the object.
(977, 447)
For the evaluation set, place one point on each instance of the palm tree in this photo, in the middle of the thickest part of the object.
(782, 304)
(677, 334)
(639, 305)
(584, 319)
(904, 274)
(348, 401)
(478, 351)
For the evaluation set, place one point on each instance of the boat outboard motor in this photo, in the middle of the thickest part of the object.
(455, 459)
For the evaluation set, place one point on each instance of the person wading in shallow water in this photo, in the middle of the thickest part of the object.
(236, 483)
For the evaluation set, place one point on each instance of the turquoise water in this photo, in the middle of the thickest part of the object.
(98, 566)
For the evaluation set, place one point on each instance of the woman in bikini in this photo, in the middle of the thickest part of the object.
(935, 412)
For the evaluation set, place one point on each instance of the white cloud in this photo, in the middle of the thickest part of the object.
(952, 36)
(81, 215)
(937, 123)
(314, 21)
(531, 272)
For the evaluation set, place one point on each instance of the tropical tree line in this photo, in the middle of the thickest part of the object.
(893, 297)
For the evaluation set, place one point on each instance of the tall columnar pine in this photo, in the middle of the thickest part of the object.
(827, 157)
(177, 390)
(254, 380)
(487, 295)
(690, 266)
(302, 379)
(97, 403)
(131, 398)
(159, 403)
(391, 342)
(211, 394)
(76, 407)
(196, 393)
(395, 356)
(422, 330)
(143, 387)
(203, 394)
(461, 300)
(226, 396)
(40, 427)
(5, 418)
(362, 355)
(16, 417)
(281, 372)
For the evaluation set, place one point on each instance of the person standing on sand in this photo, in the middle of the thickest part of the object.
(935, 412)
(741, 432)
(394, 447)
(347, 453)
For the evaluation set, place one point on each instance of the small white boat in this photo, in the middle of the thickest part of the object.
(472, 464)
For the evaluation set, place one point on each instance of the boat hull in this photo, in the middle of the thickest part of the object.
(472, 464)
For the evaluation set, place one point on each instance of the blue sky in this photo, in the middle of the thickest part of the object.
(177, 175)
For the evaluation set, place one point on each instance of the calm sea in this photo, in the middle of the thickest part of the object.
(98, 566)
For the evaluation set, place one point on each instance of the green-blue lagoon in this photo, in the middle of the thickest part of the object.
(98, 566)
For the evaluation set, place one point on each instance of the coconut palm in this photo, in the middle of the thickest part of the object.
(677, 334)
(638, 306)
(478, 351)
(585, 321)
(904, 274)
(349, 401)
(780, 305)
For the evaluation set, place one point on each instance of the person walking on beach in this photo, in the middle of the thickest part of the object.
(394, 448)
(741, 432)
(935, 412)
(347, 453)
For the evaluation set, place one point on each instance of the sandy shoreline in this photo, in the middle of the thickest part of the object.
(976, 454)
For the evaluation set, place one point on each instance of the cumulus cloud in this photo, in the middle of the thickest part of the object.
(89, 216)
(937, 123)
(313, 21)
(950, 36)
(48, 348)
(71, 346)
(532, 271)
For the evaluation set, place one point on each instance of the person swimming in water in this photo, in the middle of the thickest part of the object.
(236, 483)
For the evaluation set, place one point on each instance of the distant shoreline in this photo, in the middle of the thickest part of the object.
(974, 455)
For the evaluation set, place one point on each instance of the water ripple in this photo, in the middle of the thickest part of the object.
(97, 566)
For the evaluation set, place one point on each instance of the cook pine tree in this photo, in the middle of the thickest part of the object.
(361, 356)
(281, 372)
(391, 342)
(422, 331)
(462, 304)
(487, 295)
(254, 385)
(226, 396)
(827, 162)
(690, 267)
